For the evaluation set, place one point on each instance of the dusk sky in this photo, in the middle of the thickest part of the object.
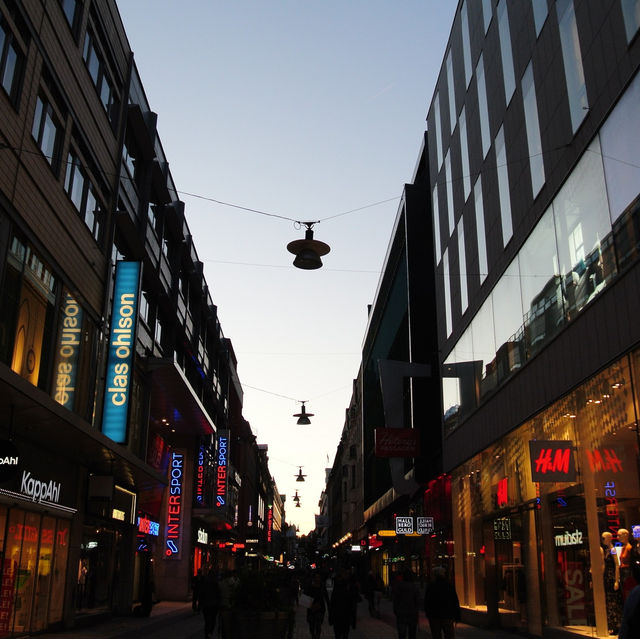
(307, 111)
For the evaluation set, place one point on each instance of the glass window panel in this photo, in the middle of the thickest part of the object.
(43, 583)
(464, 152)
(486, 14)
(436, 223)
(620, 140)
(59, 569)
(583, 229)
(9, 71)
(480, 230)
(447, 291)
(541, 285)
(631, 13)
(37, 118)
(572, 57)
(536, 162)
(438, 121)
(508, 315)
(483, 107)
(452, 91)
(540, 12)
(77, 187)
(447, 177)
(503, 184)
(506, 51)
(459, 382)
(484, 346)
(462, 260)
(27, 570)
(466, 47)
(49, 137)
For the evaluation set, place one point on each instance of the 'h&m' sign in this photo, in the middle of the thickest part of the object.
(552, 461)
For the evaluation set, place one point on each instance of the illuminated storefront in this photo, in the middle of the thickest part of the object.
(529, 512)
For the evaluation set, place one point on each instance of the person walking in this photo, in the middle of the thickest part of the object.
(320, 599)
(441, 605)
(406, 605)
(209, 602)
(342, 605)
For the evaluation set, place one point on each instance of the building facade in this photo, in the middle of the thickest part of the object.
(532, 139)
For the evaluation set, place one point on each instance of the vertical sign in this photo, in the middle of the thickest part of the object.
(269, 523)
(67, 350)
(222, 463)
(200, 475)
(175, 505)
(121, 349)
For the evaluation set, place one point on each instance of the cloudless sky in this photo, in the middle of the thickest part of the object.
(304, 109)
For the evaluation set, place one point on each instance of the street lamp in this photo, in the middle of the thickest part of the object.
(303, 416)
(308, 251)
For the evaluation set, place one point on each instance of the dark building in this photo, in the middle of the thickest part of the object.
(533, 133)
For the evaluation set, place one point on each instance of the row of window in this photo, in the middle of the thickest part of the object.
(588, 234)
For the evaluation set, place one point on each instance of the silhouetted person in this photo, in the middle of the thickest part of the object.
(441, 605)
(209, 602)
(406, 605)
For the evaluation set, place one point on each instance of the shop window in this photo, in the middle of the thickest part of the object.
(11, 61)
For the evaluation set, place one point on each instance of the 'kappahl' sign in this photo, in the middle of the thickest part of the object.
(40, 490)
(121, 349)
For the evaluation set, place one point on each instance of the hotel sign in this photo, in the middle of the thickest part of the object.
(121, 349)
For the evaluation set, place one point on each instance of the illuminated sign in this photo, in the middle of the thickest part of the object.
(502, 528)
(404, 525)
(9, 460)
(397, 442)
(67, 351)
(424, 525)
(222, 459)
(121, 349)
(117, 514)
(386, 533)
(203, 536)
(174, 505)
(604, 460)
(148, 527)
(552, 461)
(569, 539)
(39, 490)
(502, 493)
(200, 474)
(269, 523)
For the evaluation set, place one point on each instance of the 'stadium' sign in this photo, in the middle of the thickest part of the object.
(9, 460)
(121, 349)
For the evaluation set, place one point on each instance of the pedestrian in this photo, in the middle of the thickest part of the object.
(343, 605)
(196, 582)
(406, 605)
(630, 626)
(441, 605)
(209, 602)
(369, 590)
(320, 599)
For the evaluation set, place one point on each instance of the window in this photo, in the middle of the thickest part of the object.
(47, 131)
(462, 265)
(98, 72)
(466, 47)
(72, 10)
(436, 223)
(82, 194)
(483, 107)
(447, 177)
(452, 91)
(572, 58)
(486, 14)
(631, 15)
(540, 11)
(447, 290)
(436, 118)
(11, 61)
(480, 231)
(506, 51)
(503, 183)
(536, 163)
(464, 151)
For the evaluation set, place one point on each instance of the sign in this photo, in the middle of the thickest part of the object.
(121, 349)
(148, 527)
(9, 460)
(502, 493)
(404, 525)
(569, 539)
(502, 528)
(38, 489)
(67, 351)
(552, 461)
(397, 442)
(222, 462)
(200, 475)
(424, 525)
(269, 523)
(173, 541)
(203, 536)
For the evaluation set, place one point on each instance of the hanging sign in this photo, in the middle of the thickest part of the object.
(173, 542)
(222, 461)
(552, 461)
(121, 348)
(397, 442)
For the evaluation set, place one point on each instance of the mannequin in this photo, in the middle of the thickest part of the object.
(627, 553)
(611, 572)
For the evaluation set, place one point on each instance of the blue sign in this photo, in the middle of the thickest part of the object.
(121, 349)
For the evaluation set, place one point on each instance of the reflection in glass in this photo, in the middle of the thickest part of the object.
(484, 342)
(466, 47)
(480, 232)
(447, 291)
(583, 229)
(631, 13)
(483, 106)
(536, 162)
(464, 152)
(541, 285)
(506, 52)
(437, 120)
(447, 177)
(572, 57)
(452, 91)
(459, 377)
(436, 223)
(462, 261)
(503, 184)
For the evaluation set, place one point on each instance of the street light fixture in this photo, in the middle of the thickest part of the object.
(308, 251)
(303, 416)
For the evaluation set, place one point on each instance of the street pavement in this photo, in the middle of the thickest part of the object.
(176, 620)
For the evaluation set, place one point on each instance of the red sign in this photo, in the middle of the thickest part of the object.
(397, 442)
(552, 461)
(604, 460)
(269, 523)
(503, 493)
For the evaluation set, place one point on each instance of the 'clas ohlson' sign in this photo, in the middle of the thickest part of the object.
(121, 348)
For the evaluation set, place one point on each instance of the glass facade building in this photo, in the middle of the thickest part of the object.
(537, 336)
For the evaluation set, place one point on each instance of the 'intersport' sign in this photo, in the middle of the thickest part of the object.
(121, 348)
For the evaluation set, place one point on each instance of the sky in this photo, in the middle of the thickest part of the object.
(302, 111)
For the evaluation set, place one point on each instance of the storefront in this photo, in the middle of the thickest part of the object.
(531, 512)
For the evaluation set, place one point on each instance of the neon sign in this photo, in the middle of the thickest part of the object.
(174, 506)
(269, 523)
(222, 459)
(605, 459)
(148, 527)
(503, 493)
(68, 347)
(569, 539)
(200, 475)
(121, 348)
(40, 490)
(552, 461)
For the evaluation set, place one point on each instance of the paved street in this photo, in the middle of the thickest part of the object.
(174, 620)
